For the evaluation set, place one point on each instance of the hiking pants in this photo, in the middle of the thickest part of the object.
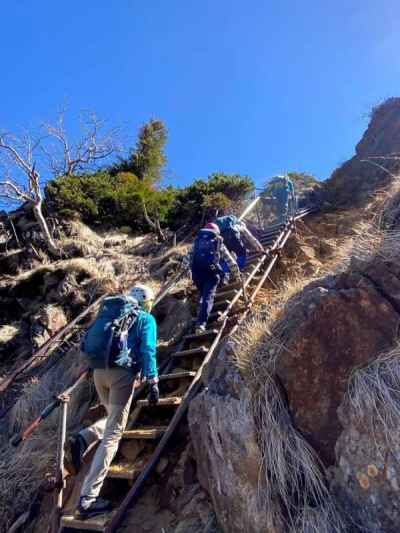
(115, 389)
(206, 283)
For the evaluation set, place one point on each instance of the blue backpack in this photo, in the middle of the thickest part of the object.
(206, 251)
(106, 340)
(230, 232)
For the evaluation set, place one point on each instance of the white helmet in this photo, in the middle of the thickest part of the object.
(142, 293)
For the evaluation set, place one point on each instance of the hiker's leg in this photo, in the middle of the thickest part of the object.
(241, 260)
(95, 432)
(209, 289)
(198, 280)
(120, 398)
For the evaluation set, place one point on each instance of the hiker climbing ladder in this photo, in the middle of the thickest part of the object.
(150, 427)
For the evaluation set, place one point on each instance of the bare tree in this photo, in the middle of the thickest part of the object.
(155, 225)
(24, 159)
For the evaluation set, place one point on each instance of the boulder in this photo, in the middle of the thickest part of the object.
(46, 323)
(224, 438)
(337, 326)
(173, 314)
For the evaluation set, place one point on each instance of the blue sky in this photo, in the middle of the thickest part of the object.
(255, 87)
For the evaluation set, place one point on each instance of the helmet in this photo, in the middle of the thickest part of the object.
(143, 294)
(213, 227)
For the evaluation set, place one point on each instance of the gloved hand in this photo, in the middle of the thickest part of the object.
(154, 395)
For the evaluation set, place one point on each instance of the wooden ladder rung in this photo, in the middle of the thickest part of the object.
(184, 374)
(229, 286)
(221, 304)
(201, 350)
(208, 333)
(145, 433)
(171, 400)
(97, 523)
(124, 470)
(225, 294)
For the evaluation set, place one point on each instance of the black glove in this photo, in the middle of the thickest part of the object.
(154, 395)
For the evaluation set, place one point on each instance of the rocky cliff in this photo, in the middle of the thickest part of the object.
(374, 162)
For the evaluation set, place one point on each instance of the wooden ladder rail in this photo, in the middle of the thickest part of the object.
(191, 391)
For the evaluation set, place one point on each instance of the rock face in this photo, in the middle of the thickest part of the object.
(46, 323)
(228, 458)
(341, 324)
(353, 183)
(367, 478)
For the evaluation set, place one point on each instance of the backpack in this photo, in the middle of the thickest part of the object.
(106, 340)
(230, 232)
(207, 250)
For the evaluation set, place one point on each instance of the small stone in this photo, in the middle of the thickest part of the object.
(372, 471)
(363, 480)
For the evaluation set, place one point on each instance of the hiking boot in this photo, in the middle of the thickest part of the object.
(74, 453)
(99, 506)
(200, 329)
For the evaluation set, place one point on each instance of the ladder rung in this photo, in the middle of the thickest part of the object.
(177, 375)
(229, 286)
(222, 303)
(145, 433)
(214, 316)
(201, 350)
(124, 470)
(97, 523)
(225, 294)
(205, 334)
(171, 400)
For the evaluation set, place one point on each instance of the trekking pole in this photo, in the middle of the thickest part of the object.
(27, 432)
(60, 480)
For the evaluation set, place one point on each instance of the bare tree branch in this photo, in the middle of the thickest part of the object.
(15, 154)
(91, 148)
(50, 151)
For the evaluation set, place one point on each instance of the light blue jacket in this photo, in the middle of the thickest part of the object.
(142, 340)
(143, 337)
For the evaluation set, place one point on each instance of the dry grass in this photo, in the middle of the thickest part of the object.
(291, 472)
(375, 390)
(23, 470)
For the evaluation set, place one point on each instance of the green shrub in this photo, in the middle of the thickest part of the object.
(220, 191)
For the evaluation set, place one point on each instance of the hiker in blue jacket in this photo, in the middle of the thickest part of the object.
(284, 197)
(208, 251)
(236, 235)
(129, 357)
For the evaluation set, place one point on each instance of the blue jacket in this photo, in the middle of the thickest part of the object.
(142, 339)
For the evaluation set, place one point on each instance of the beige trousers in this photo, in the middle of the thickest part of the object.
(115, 389)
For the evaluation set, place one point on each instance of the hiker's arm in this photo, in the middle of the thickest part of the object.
(148, 348)
(230, 260)
(249, 237)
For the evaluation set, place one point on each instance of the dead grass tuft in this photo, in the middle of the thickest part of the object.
(375, 389)
(24, 469)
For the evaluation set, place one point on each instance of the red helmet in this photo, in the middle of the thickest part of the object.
(213, 227)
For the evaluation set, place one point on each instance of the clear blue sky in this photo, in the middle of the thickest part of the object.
(256, 87)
